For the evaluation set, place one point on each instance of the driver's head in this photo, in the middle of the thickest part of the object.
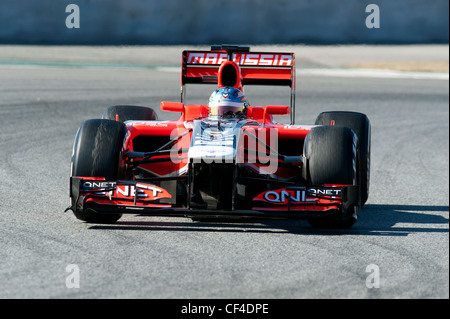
(227, 101)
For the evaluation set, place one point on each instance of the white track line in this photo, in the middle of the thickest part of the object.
(374, 73)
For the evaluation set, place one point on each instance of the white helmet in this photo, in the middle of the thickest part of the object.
(227, 101)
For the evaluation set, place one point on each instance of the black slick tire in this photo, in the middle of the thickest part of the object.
(331, 158)
(360, 124)
(96, 153)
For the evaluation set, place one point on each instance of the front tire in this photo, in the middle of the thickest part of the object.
(97, 153)
(331, 158)
(360, 124)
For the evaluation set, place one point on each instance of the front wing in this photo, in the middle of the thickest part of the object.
(133, 197)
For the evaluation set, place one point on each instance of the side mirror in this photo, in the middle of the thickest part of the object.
(172, 106)
(277, 109)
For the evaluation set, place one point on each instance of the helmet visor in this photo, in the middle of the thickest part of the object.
(221, 110)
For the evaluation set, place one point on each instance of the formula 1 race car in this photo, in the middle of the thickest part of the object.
(224, 159)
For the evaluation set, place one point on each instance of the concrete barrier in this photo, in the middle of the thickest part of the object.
(121, 22)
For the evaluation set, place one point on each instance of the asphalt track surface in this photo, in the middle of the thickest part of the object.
(403, 231)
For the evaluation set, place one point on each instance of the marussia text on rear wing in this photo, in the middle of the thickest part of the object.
(253, 68)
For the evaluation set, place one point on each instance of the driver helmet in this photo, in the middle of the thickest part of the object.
(227, 101)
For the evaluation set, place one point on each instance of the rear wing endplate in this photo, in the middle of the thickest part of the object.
(256, 68)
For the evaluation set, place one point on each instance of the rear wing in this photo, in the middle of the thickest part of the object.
(253, 68)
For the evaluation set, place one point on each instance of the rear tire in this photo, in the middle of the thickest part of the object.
(97, 153)
(331, 158)
(129, 113)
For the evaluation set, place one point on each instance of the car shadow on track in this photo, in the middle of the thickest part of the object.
(402, 220)
(375, 219)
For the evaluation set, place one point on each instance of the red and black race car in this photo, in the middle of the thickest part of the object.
(224, 159)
